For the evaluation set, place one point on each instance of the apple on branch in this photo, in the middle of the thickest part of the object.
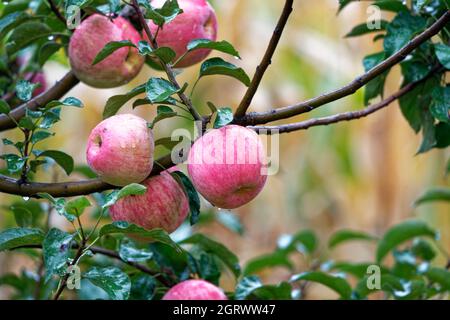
(198, 21)
(120, 150)
(228, 166)
(89, 39)
(195, 290)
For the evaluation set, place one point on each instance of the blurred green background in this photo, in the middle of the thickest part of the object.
(361, 175)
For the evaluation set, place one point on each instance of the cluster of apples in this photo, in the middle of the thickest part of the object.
(198, 21)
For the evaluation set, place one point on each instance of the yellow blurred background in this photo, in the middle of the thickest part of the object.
(361, 175)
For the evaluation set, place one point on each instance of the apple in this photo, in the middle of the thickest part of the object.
(198, 21)
(195, 290)
(227, 166)
(89, 39)
(120, 150)
(164, 205)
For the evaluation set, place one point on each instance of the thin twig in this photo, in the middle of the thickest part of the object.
(167, 68)
(311, 104)
(57, 12)
(266, 60)
(346, 116)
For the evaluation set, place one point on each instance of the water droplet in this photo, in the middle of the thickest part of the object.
(26, 198)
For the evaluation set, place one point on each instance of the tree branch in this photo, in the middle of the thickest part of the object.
(57, 12)
(352, 87)
(54, 93)
(346, 116)
(167, 68)
(266, 60)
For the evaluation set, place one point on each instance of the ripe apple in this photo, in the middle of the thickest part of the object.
(198, 21)
(164, 205)
(120, 150)
(227, 166)
(89, 39)
(195, 290)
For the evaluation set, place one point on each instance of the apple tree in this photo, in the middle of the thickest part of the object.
(135, 201)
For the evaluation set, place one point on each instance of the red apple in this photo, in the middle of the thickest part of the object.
(195, 290)
(198, 21)
(164, 205)
(120, 150)
(228, 166)
(89, 39)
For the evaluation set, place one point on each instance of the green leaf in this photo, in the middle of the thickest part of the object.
(26, 34)
(114, 103)
(160, 16)
(10, 21)
(166, 54)
(110, 48)
(276, 259)
(428, 132)
(401, 30)
(47, 50)
(18, 237)
(159, 90)
(376, 86)
(123, 227)
(365, 28)
(191, 193)
(399, 234)
(304, 241)
(56, 252)
(442, 135)
(252, 288)
(423, 249)
(222, 46)
(335, 283)
(218, 249)
(348, 235)
(4, 107)
(440, 276)
(61, 158)
(77, 206)
(24, 89)
(358, 270)
(440, 106)
(217, 66)
(163, 112)
(224, 116)
(133, 189)
(129, 251)
(111, 279)
(167, 143)
(443, 54)
(144, 48)
(23, 216)
(391, 5)
(40, 135)
(14, 163)
(50, 118)
(432, 195)
(143, 287)
(389, 283)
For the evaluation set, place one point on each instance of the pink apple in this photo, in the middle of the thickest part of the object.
(164, 205)
(120, 150)
(198, 21)
(227, 166)
(89, 39)
(195, 290)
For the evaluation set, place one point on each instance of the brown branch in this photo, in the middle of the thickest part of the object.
(167, 68)
(54, 93)
(266, 60)
(57, 12)
(352, 87)
(67, 189)
(346, 116)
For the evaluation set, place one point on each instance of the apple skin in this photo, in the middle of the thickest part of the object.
(195, 290)
(120, 150)
(164, 205)
(198, 21)
(89, 39)
(233, 183)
